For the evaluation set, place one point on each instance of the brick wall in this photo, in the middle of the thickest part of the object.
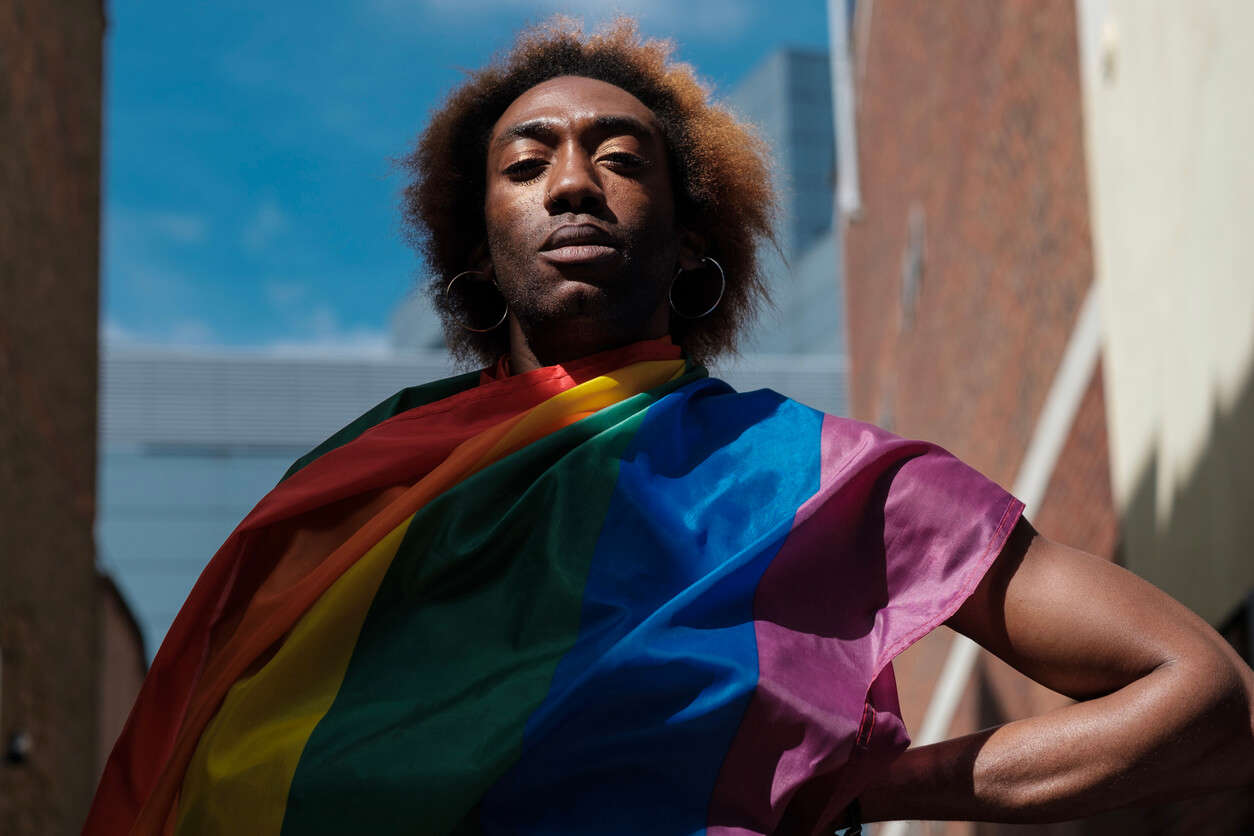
(970, 113)
(965, 274)
(123, 666)
(50, 121)
(970, 143)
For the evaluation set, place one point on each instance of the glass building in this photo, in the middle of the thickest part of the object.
(789, 98)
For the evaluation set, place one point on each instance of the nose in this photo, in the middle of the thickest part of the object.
(573, 185)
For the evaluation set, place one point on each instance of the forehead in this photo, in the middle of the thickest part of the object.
(573, 100)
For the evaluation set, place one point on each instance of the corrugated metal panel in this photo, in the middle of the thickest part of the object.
(189, 442)
(817, 380)
(241, 401)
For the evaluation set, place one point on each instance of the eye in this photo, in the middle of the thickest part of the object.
(525, 170)
(625, 161)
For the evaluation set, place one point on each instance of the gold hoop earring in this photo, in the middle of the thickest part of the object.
(504, 314)
(722, 287)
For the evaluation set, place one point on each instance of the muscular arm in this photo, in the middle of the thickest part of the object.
(1165, 705)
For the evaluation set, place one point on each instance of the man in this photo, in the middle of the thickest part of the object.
(589, 590)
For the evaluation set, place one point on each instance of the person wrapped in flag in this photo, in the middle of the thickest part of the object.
(590, 589)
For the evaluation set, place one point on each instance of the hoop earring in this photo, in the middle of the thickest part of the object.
(463, 325)
(722, 286)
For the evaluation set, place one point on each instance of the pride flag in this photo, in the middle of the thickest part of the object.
(613, 596)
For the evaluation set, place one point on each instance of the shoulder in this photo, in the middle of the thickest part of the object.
(842, 435)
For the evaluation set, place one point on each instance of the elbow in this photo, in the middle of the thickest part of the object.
(1237, 710)
(1218, 692)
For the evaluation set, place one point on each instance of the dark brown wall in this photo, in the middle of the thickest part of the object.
(970, 111)
(970, 114)
(970, 117)
(123, 666)
(50, 129)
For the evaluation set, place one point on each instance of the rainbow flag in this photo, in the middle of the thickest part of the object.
(613, 596)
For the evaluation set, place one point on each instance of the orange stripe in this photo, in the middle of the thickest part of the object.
(264, 625)
(358, 480)
(270, 615)
(243, 765)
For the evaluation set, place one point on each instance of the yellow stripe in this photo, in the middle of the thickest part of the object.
(585, 399)
(242, 770)
(247, 756)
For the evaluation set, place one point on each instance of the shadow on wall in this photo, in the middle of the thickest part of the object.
(1202, 552)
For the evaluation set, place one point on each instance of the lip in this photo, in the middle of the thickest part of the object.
(579, 244)
(580, 254)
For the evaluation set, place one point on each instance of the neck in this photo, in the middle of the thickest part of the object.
(527, 353)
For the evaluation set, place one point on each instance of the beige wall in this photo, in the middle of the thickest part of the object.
(1169, 132)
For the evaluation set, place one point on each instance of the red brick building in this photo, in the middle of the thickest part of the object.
(967, 267)
(63, 630)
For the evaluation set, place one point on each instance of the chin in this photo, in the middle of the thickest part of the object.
(579, 297)
(585, 301)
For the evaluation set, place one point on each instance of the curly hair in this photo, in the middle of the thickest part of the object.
(722, 179)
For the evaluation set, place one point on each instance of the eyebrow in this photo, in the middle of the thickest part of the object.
(545, 130)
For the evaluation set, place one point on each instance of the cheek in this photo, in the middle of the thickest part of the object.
(500, 224)
(652, 201)
(495, 209)
(506, 221)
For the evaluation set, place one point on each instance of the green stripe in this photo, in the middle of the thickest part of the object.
(402, 401)
(462, 639)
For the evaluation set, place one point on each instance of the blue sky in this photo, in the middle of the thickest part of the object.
(249, 194)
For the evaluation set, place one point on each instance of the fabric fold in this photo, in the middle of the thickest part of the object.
(612, 596)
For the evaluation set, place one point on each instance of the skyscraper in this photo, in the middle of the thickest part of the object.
(789, 98)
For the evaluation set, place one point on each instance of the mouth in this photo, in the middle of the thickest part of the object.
(580, 244)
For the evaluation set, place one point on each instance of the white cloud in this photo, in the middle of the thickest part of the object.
(191, 333)
(267, 222)
(324, 339)
(184, 333)
(138, 251)
(316, 326)
(159, 226)
(330, 100)
(322, 320)
(284, 295)
(112, 333)
(358, 342)
(180, 227)
(705, 19)
(294, 304)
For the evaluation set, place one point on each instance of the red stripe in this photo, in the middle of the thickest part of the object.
(276, 550)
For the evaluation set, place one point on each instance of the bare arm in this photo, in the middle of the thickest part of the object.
(1166, 706)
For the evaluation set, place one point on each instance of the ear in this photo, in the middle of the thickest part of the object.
(481, 259)
(691, 249)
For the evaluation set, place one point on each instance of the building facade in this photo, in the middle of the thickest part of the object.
(50, 613)
(190, 441)
(788, 98)
(1032, 197)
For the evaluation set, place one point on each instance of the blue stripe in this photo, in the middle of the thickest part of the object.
(642, 709)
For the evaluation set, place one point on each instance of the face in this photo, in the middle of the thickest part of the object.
(580, 212)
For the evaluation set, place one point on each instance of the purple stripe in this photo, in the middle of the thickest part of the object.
(897, 537)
